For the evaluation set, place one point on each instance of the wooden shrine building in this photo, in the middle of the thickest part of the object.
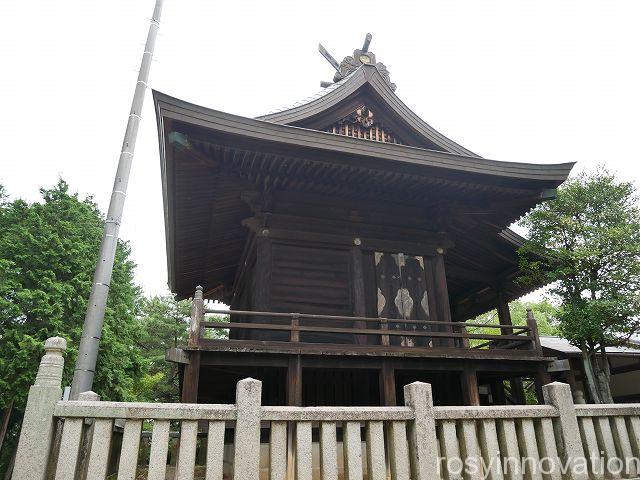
(350, 240)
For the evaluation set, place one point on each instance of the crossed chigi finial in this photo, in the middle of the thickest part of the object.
(350, 63)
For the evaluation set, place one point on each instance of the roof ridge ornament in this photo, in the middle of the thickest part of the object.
(350, 63)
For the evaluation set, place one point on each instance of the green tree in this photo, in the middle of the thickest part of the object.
(544, 312)
(165, 324)
(47, 258)
(586, 243)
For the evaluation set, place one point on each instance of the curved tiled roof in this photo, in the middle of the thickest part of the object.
(370, 76)
(309, 99)
(267, 131)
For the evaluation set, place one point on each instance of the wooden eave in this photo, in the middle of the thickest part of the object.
(367, 77)
(276, 138)
(473, 295)
(200, 178)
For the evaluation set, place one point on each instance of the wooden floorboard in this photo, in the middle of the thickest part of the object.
(271, 347)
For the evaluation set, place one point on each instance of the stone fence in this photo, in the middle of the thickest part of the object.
(248, 441)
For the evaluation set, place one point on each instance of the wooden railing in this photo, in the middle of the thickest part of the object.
(417, 441)
(385, 332)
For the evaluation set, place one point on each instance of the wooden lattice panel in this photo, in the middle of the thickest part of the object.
(362, 124)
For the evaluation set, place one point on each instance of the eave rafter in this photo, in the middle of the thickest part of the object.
(270, 171)
(273, 170)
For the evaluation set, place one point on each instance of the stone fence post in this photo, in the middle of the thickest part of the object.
(37, 431)
(567, 430)
(246, 460)
(423, 440)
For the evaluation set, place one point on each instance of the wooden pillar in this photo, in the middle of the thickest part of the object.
(387, 384)
(191, 378)
(443, 309)
(541, 378)
(570, 378)
(294, 381)
(261, 293)
(357, 280)
(294, 399)
(504, 318)
(504, 315)
(517, 388)
(470, 394)
(497, 392)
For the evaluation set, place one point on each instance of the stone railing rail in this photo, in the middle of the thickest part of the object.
(559, 440)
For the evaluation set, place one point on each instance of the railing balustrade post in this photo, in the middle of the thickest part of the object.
(464, 340)
(423, 440)
(37, 431)
(246, 459)
(197, 317)
(87, 439)
(533, 331)
(74, 446)
(567, 431)
(295, 331)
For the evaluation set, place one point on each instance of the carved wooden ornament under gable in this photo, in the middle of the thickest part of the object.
(363, 116)
(362, 123)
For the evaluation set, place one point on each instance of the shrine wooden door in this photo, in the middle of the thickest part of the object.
(405, 291)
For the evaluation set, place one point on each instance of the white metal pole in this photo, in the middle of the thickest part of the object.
(94, 318)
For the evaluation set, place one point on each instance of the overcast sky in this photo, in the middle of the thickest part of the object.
(531, 81)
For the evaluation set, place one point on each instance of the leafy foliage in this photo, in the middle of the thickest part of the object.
(47, 258)
(586, 243)
(544, 312)
(165, 324)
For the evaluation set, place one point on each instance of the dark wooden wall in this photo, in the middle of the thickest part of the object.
(328, 263)
(310, 279)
